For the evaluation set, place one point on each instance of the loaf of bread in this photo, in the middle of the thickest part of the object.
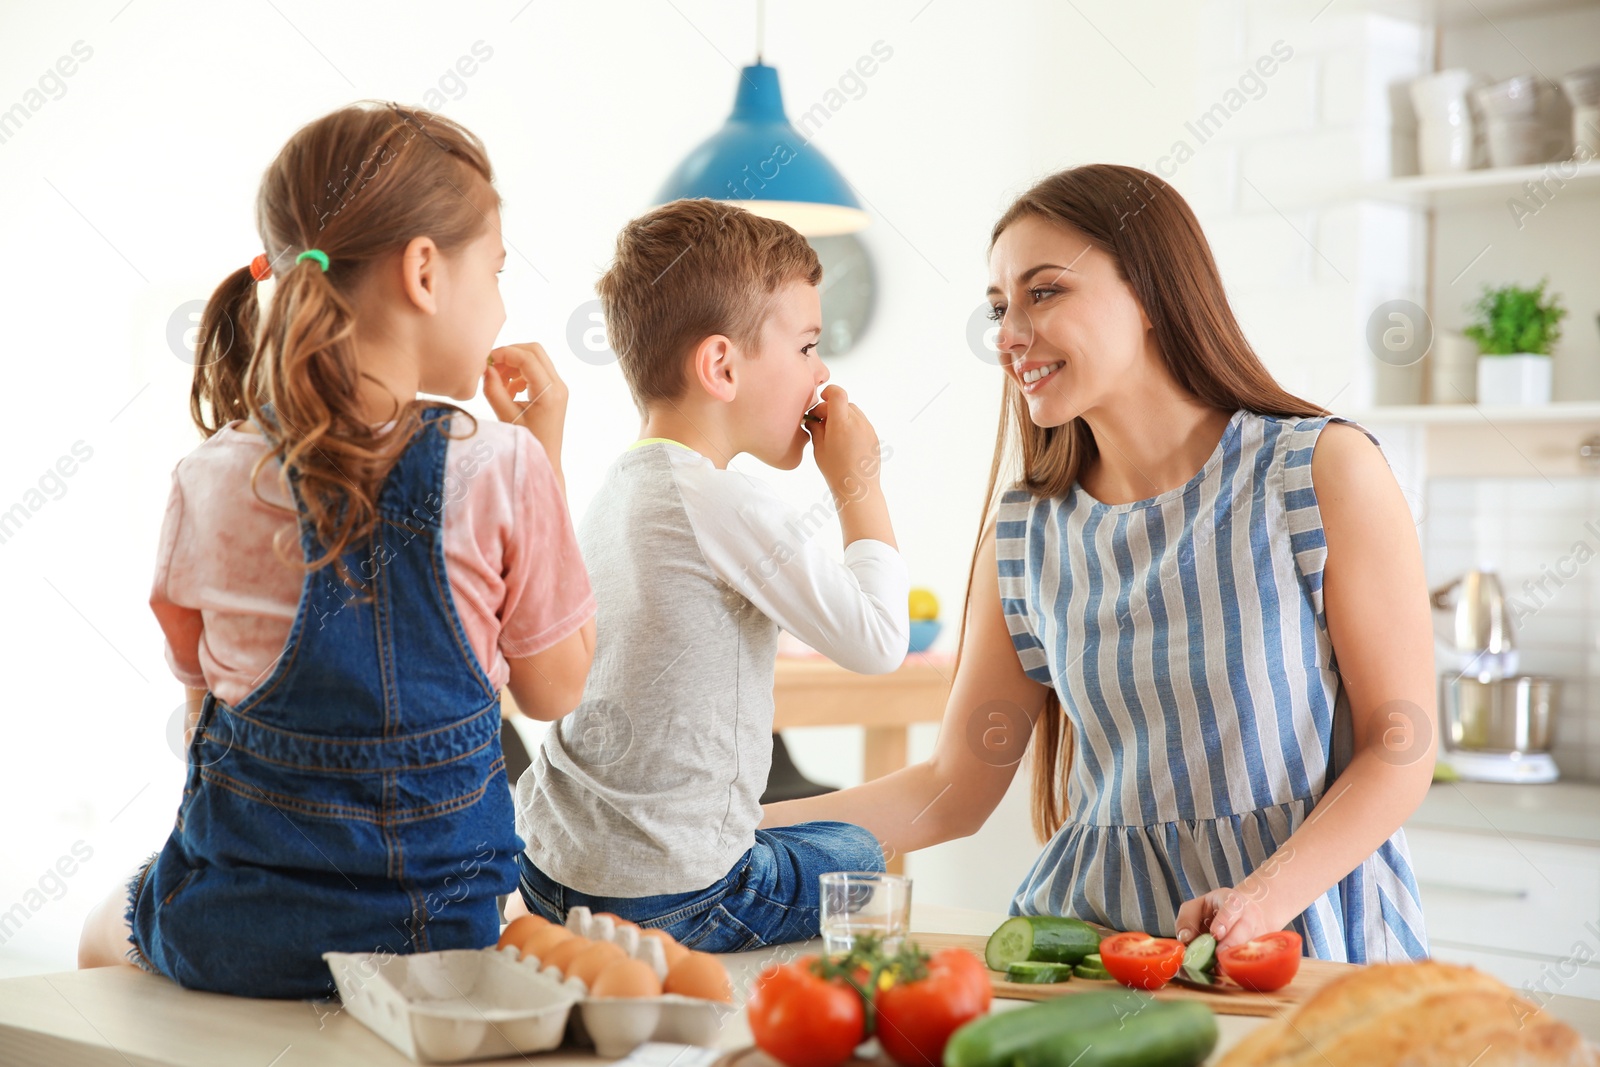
(1426, 1014)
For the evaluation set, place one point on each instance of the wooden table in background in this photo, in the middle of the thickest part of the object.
(812, 691)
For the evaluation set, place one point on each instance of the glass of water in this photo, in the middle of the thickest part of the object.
(864, 902)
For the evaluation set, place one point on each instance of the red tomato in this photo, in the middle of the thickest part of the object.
(916, 1018)
(1140, 961)
(1263, 964)
(802, 1020)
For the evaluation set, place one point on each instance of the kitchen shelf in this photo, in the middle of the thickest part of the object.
(1579, 411)
(1459, 13)
(1487, 186)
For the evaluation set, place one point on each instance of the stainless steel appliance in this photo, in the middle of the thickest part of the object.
(1485, 644)
(1501, 729)
(1497, 725)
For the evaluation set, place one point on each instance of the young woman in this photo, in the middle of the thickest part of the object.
(1203, 600)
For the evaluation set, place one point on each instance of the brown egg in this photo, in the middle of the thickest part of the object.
(520, 929)
(626, 978)
(563, 954)
(588, 964)
(671, 951)
(700, 974)
(541, 940)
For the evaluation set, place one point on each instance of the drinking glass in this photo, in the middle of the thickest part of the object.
(865, 902)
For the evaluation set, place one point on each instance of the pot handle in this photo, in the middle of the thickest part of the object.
(1440, 597)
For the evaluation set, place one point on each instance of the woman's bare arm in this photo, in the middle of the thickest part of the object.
(1376, 599)
(987, 723)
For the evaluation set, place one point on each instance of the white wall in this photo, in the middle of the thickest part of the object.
(130, 193)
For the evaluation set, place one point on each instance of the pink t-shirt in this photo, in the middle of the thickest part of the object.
(226, 600)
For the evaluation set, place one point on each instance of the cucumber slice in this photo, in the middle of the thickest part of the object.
(1031, 972)
(1042, 938)
(1201, 954)
(1093, 960)
(1094, 974)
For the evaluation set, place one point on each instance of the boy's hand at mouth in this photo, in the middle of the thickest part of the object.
(843, 442)
(847, 452)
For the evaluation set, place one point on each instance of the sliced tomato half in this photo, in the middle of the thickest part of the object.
(1264, 963)
(1140, 961)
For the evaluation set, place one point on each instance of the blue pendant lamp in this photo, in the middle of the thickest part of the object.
(761, 162)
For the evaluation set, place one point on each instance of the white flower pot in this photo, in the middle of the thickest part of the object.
(1520, 379)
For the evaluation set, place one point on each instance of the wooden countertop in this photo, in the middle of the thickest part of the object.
(123, 1017)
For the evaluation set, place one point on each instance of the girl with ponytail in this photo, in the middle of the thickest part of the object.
(349, 574)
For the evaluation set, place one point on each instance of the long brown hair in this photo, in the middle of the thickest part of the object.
(1161, 252)
(357, 184)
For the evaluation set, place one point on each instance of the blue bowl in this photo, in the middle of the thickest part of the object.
(923, 633)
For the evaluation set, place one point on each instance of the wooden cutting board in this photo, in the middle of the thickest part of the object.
(1225, 1000)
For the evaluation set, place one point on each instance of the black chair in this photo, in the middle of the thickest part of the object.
(784, 781)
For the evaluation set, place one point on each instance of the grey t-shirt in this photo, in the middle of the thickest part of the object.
(652, 785)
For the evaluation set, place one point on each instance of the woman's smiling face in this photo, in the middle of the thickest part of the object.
(1072, 334)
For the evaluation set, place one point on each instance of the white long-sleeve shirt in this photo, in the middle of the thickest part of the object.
(653, 784)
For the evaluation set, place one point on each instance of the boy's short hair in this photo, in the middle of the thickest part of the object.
(686, 271)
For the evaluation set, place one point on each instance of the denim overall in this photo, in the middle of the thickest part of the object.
(357, 799)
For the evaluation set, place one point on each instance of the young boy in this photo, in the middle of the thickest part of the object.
(644, 801)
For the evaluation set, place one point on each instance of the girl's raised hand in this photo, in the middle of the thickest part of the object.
(515, 369)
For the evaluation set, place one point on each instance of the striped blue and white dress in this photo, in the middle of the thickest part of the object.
(1186, 638)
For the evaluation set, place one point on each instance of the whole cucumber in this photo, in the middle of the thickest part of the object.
(1178, 1033)
(1124, 1028)
(995, 1040)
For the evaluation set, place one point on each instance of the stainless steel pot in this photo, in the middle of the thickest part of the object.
(1514, 714)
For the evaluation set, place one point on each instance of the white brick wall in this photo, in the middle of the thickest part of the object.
(1278, 186)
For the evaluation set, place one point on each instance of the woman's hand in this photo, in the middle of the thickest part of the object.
(1232, 916)
(515, 369)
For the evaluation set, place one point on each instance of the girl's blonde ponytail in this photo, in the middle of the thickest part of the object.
(222, 356)
(309, 370)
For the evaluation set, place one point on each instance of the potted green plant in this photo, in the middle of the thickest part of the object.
(1515, 329)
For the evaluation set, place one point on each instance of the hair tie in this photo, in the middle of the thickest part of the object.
(260, 267)
(317, 254)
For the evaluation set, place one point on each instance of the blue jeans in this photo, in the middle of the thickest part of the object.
(771, 896)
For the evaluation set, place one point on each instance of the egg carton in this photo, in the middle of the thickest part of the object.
(457, 1004)
(471, 1004)
(615, 1026)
